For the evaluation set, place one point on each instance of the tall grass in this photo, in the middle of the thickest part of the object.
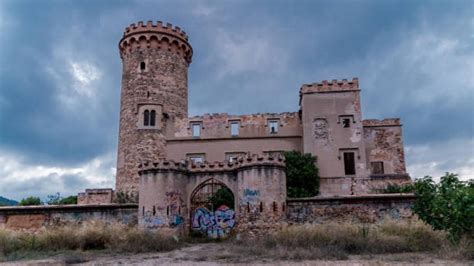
(339, 240)
(91, 236)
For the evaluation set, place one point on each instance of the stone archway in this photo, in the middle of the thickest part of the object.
(212, 209)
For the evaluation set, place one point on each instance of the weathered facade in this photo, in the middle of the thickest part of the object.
(174, 161)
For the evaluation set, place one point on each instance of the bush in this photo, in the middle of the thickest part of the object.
(448, 205)
(223, 196)
(56, 199)
(302, 176)
(30, 201)
(396, 188)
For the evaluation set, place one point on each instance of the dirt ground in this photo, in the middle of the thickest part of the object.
(221, 254)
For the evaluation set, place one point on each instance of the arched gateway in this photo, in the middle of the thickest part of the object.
(215, 199)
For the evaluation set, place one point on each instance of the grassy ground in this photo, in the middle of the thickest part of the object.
(332, 242)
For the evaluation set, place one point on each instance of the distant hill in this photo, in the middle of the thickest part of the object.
(7, 202)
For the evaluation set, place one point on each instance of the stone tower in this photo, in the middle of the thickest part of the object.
(155, 60)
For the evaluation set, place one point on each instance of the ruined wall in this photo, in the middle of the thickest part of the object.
(383, 140)
(32, 218)
(96, 196)
(155, 61)
(216, 140)
(365, 209)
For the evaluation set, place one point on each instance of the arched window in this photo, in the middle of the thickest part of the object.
(152, 118)
(142, 66)
(146, 118)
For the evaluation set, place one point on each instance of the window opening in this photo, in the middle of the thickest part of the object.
(152, 118)
(349, 163)
(196, 128)
(142, 66)
(346, 122)
(196, 158)
(234, 128)
(261, 206)
(273, 125)
(377, 168)
(146, 118)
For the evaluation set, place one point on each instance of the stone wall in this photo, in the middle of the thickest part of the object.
(32, 218)
(364, 208)
(96, 196)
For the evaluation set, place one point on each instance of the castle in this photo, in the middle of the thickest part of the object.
(175, 162)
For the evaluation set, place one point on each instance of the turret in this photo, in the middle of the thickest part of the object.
(155, 60)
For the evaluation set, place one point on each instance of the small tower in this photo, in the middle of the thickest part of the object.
(155, 60)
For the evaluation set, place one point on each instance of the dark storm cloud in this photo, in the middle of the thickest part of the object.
(60, 70)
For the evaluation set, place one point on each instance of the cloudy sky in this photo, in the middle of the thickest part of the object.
(60, 74)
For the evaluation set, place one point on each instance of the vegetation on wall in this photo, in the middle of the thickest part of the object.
(302, 175)
(125, 197)
(29, 201)
(223, 196)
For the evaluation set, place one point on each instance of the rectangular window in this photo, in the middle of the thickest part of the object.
(196, 158)
(349, 163)
(273, 126)
(346, 120)
(234, 128)
(377, 168)
(196, 128)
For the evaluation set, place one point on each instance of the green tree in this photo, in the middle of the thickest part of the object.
(448, 205)
(302, 175)
(56, 199)
(30, 201)
(223, 196)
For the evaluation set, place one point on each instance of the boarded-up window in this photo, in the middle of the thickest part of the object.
(349, 163)
(377, 168)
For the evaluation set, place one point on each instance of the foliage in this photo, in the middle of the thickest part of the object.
(125, 197)
(302, 175)
(56, 199)
(396, 188)
(448, 205)
(30, 201)
(223, 196)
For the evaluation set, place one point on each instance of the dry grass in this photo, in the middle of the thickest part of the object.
(338, 241)
(92, 236)
(298, 242)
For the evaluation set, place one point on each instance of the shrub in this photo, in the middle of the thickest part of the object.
(302, 175)
(56, 199)
(30, 201)
(396, 188)
(223, 196)
(448, 205)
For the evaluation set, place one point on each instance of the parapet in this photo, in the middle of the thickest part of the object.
(187, 166)
(156, 36)
(331, 86)
(381, 123)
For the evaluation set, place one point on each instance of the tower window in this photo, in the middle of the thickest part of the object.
(152, 118)
(346, 122)
(234, 128)
(273, 126)
(196, 128)
(146, 118)
(349, 163)
(142, 66)
(377, 168)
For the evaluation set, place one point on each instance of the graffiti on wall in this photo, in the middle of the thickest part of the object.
(174, 203)
(216, 224)
(251, 196)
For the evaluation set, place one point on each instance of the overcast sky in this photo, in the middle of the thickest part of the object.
(60, 74)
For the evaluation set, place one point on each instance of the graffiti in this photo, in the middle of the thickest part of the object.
(250, 196)
(151, 220)
(174, 204)
(216, 224)
(176, 220)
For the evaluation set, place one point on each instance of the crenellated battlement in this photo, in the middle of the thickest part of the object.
(381, 123)
(331, 86)
(187, 166)
(155, 36)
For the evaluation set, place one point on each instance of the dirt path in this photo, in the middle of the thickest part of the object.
(222, 254)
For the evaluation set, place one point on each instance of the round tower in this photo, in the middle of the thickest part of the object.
(155, 60)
